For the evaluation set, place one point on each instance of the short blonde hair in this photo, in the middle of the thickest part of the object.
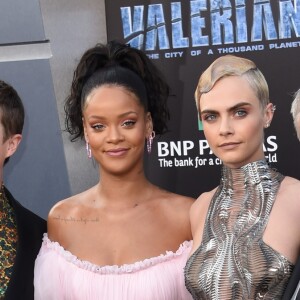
(230, 65)
(295, 108)
(295, 111)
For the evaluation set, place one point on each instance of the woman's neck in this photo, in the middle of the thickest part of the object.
(250, 174)
(123, 190)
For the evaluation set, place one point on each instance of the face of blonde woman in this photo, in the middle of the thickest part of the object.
(234, 121)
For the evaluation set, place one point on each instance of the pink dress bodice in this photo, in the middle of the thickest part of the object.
(61, 275)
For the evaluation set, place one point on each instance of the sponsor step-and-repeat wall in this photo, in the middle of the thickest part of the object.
(183, 38)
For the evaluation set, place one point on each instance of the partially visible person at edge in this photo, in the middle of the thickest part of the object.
(293, 288)
(295, 111)
(124, 238)
(21, 231)
(247, 230)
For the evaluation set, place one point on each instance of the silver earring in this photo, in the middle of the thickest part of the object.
(273, 108)
(150, 141)
(267, 125)
(88, 150)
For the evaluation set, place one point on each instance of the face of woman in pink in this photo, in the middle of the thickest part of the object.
(116, 127)
(234, 120)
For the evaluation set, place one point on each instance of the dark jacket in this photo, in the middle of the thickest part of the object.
(293, 283)
(30, 232)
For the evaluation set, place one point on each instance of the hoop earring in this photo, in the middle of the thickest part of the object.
(88, 150)
(150, 141)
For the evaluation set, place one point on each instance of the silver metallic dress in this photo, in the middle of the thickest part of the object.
(232, 261)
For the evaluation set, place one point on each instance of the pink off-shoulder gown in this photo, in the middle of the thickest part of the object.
(59, 275)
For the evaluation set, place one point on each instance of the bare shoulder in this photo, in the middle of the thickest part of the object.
(200, 206)
(175, 201)
(290, 186)
(181, 199)
(173, 212)
(289, 192)
(291, 183)
(61, 213)
(63, 207)
(287, 203)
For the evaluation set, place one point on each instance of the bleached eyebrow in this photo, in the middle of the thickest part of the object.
(230, 109)
(238, 105)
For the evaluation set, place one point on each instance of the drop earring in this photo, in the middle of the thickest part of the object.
(150, 141)
(88, 150)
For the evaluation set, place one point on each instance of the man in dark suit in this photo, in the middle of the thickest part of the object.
(293, 289)
(20, 229)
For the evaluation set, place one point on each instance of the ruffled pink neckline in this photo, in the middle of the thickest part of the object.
(115, 269)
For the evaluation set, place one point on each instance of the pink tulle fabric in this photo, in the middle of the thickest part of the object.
(60, 275)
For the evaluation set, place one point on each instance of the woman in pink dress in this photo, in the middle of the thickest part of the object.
(124, 238)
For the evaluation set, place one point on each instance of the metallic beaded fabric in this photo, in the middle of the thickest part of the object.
(232, 261)
(8, 241)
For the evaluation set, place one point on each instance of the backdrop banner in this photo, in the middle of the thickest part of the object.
(183, 38)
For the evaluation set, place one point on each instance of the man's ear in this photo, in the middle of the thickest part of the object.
(13, 143)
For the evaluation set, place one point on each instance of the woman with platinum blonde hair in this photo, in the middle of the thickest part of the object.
(295, 111)
(246, 230)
